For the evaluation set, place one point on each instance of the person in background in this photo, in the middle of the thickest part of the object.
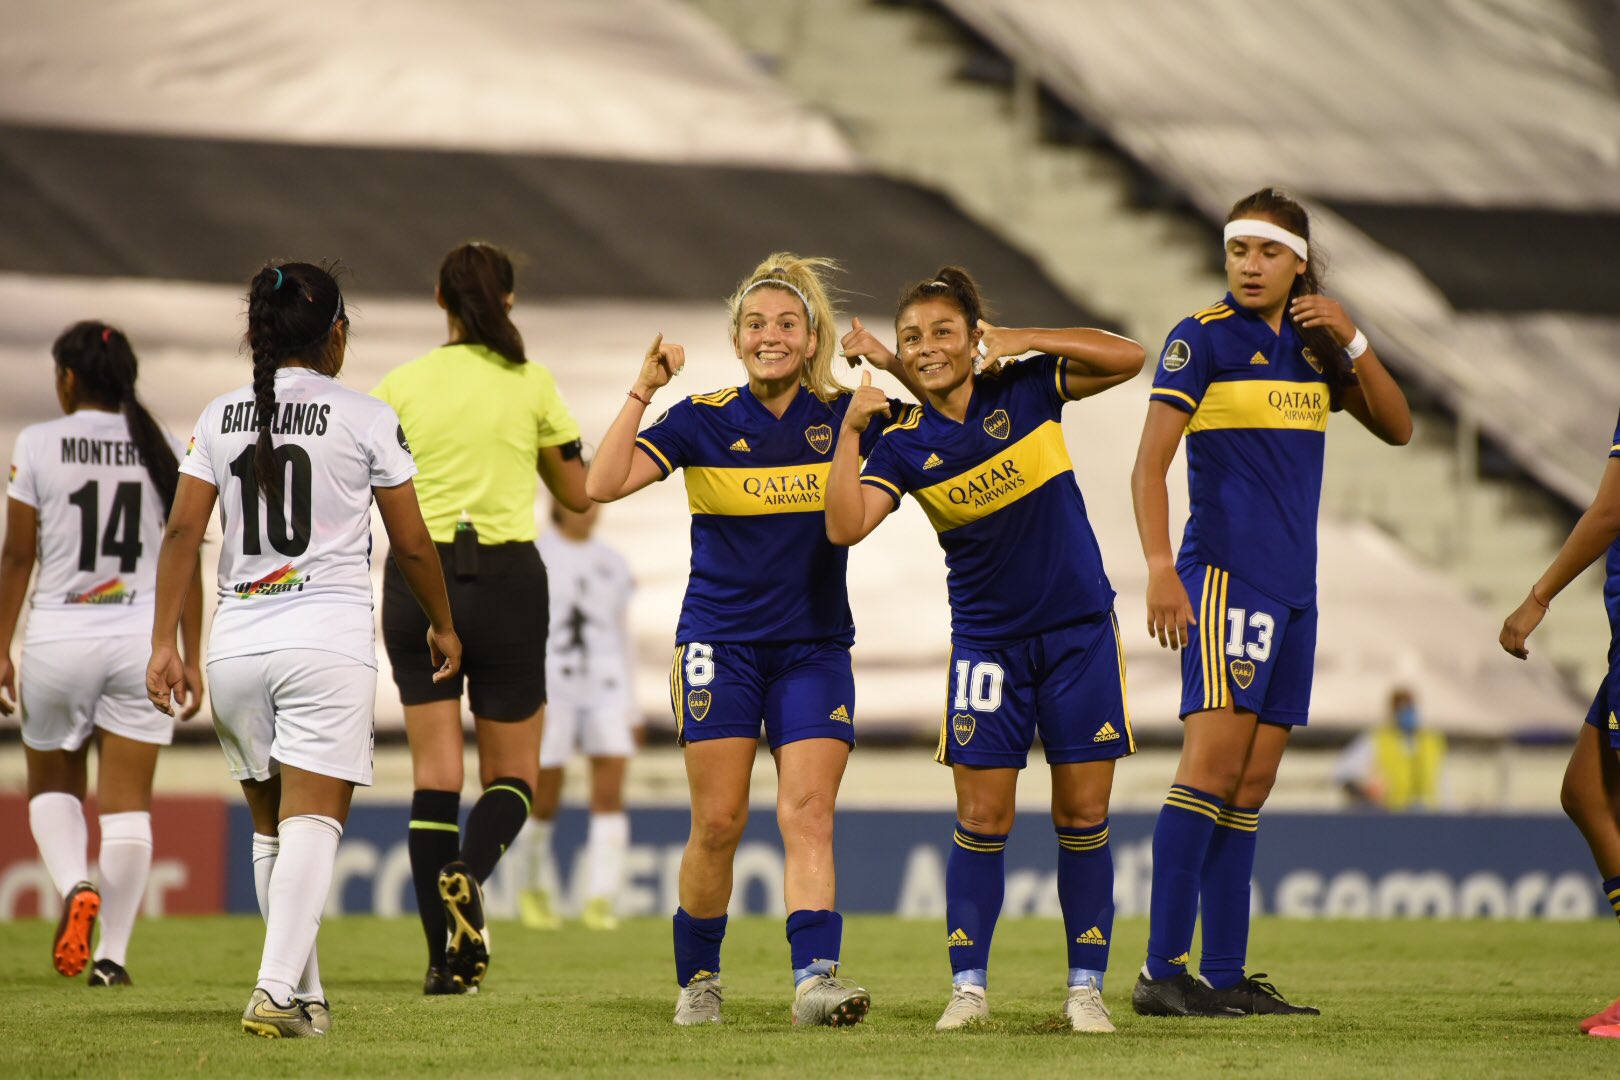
(88, 497)
(1397, 766)
(487, 424)
(590, 710)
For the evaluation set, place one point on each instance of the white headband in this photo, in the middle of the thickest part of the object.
(1267, 231)
(781, 284)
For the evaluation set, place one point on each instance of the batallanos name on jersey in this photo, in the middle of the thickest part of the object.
(291, 418)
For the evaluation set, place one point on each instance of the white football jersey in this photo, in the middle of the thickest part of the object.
(100, 527)
(587, 648)
(298, 575)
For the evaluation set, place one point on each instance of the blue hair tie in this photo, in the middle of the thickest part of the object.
(278, 277)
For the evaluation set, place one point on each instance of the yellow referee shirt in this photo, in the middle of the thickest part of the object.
(476, 425)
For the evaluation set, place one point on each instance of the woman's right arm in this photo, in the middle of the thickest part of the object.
(413, 552)
(176, 571)
(618, 468)
(1169, 608)
(1588, 540)
(854, 509)
(16, 563)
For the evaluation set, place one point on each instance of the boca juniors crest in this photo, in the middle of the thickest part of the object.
(1243, 673)
(819, 437)
(698, 702)
(962, 726)
(998, 425)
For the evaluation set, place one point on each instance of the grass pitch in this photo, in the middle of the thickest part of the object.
(1410, 999)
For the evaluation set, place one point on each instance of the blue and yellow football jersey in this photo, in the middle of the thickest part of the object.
(762, 567)
(1611, 585)
(1255, 442)
(1000, 490)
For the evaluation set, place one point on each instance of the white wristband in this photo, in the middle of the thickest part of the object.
(1357, 346)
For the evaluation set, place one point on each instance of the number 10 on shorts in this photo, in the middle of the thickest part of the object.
(978, 686)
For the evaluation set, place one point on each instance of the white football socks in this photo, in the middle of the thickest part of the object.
(57, 821)
(538, 863)
(296, 881)
(125, 863)
(605, 844)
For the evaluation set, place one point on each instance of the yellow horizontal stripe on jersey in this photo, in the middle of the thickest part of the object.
(1262, 403)
(657, 454)
(1157, 390)
(999, 481)
(788, 489)
(1614, 448)
(1216, 317)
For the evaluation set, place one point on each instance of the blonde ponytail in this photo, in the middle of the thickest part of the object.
(801, 276)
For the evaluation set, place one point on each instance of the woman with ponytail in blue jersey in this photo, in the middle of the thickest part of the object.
(765, 629)
(1034, 642)
(1250, 382)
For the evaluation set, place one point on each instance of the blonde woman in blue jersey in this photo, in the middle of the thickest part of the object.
(1250, 381)
(1034, 642)
(765, 629)
(1591, 794)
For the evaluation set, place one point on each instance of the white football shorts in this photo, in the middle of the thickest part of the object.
(301, 707)
(69, 688)
(596, 727)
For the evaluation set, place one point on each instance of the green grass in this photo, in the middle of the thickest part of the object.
(1409, 999)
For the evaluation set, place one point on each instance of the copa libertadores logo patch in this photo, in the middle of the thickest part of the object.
(1176, 355)
(399, 432)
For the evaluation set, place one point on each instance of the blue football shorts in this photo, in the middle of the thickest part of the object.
(1248, 649)
(794, 690)
(1066, 684)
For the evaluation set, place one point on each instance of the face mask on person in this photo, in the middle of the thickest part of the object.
(1406, 719)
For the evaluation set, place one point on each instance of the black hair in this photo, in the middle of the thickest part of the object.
(293, 309)
(474, 280)
(104, 369)
(949, 283)
(1319, 341)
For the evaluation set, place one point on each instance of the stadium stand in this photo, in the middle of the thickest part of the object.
(130, 207)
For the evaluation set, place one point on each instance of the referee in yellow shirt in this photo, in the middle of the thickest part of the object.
(484, 423)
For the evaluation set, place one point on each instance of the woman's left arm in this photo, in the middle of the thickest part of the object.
(1097, 359)
(1375, 400)
(562, 468)
(176, 573)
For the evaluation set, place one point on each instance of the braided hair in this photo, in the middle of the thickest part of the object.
(293, 310)
(104, 368)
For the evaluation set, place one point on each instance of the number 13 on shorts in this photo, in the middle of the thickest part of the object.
(1250, 650)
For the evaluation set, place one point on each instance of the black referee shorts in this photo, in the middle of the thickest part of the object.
(501, 617)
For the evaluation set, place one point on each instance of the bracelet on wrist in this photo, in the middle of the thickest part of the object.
(638, 397)
(1357, 346)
